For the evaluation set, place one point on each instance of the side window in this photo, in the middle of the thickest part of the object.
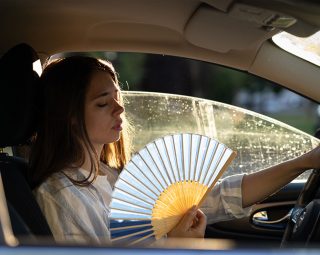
(259, 140)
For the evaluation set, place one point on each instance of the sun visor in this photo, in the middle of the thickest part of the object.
(218, 31)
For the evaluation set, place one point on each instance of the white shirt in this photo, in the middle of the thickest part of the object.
(80, 214)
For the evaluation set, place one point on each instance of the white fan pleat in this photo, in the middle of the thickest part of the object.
(195, 148)
(171, 157)
(211, 163)
(133, 198)
(124, 214)
(135, 169)
(123, 205)
(204, 142)
(146, 194)
(223, 161)
(158, 162)
(187, 151)
(209, 153)
(178, 153)
(164, 156)
(132, 227)
(153, 169)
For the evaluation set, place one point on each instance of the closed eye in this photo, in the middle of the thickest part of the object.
(102, 105)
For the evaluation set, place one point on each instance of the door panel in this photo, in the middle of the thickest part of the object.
(274, 208)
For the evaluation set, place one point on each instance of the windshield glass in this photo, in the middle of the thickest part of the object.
(260, 141)
(306, 48)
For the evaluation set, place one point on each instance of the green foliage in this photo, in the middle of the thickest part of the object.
(304, 122)
(130, 69)
(222, 83)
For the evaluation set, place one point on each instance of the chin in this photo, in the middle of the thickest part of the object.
(113, 139)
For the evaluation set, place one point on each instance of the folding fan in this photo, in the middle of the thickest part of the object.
(161, 182)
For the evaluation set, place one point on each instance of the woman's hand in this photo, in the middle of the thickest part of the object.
(193, 224)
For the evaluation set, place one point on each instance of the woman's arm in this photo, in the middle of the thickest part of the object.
(259, 185)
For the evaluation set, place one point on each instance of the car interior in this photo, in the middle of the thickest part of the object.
(231, 33)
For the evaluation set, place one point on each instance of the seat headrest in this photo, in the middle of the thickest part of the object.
(18, 95)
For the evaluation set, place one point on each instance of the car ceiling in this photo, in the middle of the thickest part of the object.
(231, 33)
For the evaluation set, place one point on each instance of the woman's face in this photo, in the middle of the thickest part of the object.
(103, 110)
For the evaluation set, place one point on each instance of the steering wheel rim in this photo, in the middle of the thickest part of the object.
(306, 196)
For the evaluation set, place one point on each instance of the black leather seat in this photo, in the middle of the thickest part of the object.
(19, 95)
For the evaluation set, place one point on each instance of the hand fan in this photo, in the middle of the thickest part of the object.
(161, 182)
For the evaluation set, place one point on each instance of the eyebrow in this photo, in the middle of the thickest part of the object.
(103, 94)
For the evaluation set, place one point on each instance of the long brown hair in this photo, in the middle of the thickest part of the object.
(59, 143)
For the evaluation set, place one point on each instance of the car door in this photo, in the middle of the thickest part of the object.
(266, 223)
(259, 141)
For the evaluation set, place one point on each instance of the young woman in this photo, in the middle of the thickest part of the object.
(80, 148)
(83, 143)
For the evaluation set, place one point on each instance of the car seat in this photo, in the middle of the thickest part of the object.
(18, 114)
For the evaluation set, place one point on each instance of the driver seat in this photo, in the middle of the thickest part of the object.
(18, 114)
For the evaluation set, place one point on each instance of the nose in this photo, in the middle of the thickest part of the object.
(118, 108)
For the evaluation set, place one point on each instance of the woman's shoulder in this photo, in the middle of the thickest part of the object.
(55, 183)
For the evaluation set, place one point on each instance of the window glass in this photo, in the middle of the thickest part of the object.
(259, 140)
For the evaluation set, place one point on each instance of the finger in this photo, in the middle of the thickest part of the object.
(200, 227)
(187, 219)
(202, 218)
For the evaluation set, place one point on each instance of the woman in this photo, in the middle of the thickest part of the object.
(82, 145)
(80, 149)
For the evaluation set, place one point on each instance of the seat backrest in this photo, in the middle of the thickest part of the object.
(19, 95)
(20, 197)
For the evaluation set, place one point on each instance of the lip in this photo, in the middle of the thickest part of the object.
(117, 126)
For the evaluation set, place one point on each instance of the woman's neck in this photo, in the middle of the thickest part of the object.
(87, 165)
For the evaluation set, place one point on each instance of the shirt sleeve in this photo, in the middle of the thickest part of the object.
(224, 202)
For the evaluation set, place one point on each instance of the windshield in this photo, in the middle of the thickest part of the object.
(306, 48)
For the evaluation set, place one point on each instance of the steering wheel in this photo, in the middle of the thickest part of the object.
(304, 223)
